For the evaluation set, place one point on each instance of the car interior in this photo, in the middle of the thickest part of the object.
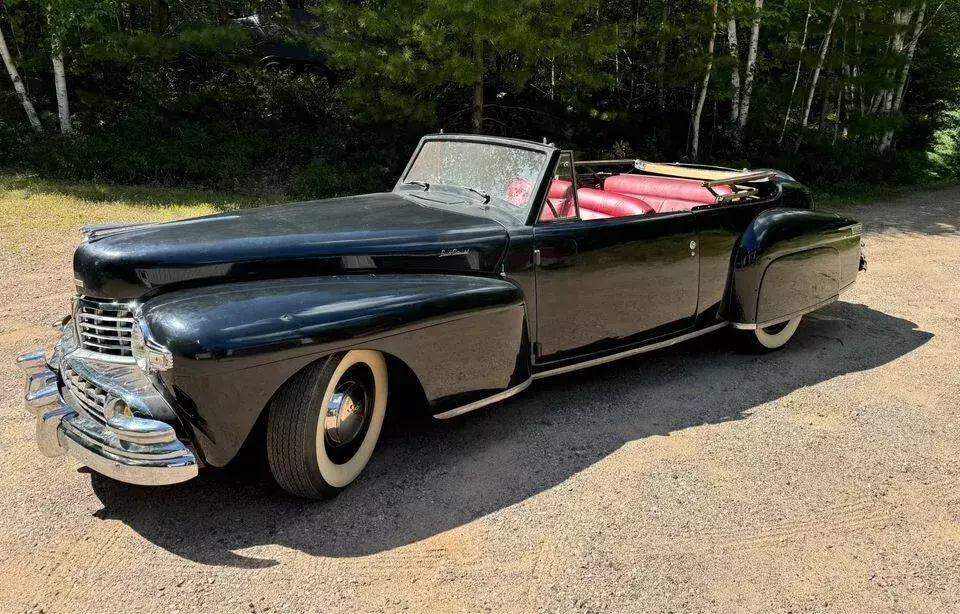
(649, 189)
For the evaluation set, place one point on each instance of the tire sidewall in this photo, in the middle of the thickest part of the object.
(776, 340)
(340, 475)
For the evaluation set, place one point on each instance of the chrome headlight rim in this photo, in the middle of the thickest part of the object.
(149, 355)
(138, 346)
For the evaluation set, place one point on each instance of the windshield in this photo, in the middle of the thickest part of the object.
(486, 174)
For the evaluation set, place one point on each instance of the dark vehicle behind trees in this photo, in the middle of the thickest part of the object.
(493, 262)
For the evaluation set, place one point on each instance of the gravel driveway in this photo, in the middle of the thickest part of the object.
(823, 477)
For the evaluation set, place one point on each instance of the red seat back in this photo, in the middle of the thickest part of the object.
(560, 196)
(664, 188)
(559, 188)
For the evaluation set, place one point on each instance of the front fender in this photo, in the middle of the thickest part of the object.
(234, 345)
(789, 261)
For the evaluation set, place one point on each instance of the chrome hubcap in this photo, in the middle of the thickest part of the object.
(346, 414)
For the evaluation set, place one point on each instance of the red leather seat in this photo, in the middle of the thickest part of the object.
(559, 188)
(610, 204)
(664, 193)
(560, 196)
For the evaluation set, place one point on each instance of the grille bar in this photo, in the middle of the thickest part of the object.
(113, 327)
(93, 317)
(107, 337)
(105, 327)
(91, 397)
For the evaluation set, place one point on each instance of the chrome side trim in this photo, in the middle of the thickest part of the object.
(500, 396)
(781, 320)
(628, 353)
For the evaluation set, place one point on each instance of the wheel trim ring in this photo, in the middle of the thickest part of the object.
(339, 475)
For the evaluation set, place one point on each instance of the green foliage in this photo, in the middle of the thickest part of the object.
(175, 92)
(403, 55)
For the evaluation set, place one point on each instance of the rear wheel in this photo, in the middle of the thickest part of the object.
(769, 338)
(324, 423)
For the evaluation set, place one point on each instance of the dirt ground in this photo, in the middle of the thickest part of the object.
(823, 477)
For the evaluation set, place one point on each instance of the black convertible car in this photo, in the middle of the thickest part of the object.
(492, 263)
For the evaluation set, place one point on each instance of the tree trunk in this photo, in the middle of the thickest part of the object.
(735, 73)
(796, 78)
(816, 72)
(836, 124)
(911, 51)
(553, 76)
(662, 56)
(60, 84)
(476, 121)
(161, 15)
(894, 99)
(18, 85)
(695, 146)
(751, 64)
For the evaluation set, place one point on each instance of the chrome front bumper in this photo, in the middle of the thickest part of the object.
(129, 449)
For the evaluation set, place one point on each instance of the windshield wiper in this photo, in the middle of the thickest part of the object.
(480, 193)
(422, 184)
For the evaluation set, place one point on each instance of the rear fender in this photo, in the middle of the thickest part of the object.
(234, 345)
(789, 262)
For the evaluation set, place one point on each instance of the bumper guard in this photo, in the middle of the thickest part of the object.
(134, 450)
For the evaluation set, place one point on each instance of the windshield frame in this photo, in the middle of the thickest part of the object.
(525, 214)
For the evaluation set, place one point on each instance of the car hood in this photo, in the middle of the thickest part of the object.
(371, 233)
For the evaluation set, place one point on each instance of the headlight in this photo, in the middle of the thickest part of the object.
(149, 356)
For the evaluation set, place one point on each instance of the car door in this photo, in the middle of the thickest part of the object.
(608, 283)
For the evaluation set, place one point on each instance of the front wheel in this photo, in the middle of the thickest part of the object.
(324, 423)
(769, 338)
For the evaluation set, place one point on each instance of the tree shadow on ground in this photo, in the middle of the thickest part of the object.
(426, 479)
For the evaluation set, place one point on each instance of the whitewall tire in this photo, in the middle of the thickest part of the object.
(324, 423)
(770, 338)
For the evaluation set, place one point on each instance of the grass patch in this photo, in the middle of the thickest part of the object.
(30, 205)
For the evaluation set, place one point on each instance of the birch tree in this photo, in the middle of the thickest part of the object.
(796, 78)
(60, 85)
(816, 72)
(894, 100)
(751, 69)
(698, 112)
(734, 46)
(18, 86)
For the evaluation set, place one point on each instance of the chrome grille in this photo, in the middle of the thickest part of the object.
(92, 398)
(105, 327)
